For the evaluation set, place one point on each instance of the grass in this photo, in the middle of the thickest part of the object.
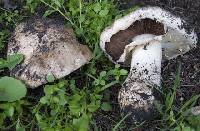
(174, 117)
(69, 104)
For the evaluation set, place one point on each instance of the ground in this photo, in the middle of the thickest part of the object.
(190, 64)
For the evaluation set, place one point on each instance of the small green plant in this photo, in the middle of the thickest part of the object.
(12, 112)
(12, 61)
(11, 89)
(117, 126)
(177, 118)
(4, 34)
(91, 18)
(8, 19)
(66, 103)
(32, 5)
(87, 18)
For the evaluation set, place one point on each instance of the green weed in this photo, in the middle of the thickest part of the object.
(8, 19)
(177, 118)
(67, 107)
(7, 92)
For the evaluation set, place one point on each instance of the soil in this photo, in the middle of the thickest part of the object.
(190, 62)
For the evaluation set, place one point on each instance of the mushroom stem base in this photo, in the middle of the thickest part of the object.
(137, 98)
(137, 95)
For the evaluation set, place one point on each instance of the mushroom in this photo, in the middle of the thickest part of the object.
(142, 40)
(50, 49)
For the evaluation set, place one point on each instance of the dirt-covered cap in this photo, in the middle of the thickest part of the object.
(49, 48)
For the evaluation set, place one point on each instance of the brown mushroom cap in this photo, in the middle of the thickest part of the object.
(49, 48)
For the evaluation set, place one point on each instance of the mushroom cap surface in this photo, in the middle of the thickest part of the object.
(176, 39)
(49, 48)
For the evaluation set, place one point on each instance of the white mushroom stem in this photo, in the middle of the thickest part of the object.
(146, 62)
(136, 94)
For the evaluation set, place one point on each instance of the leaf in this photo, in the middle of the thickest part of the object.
(170, 98)
(96, 82)
(3, 63)
(48, 12)
(103, 13)
(106, 106)
(62, 98)
(75, 109)
(95, 103)
(13, 60)
(50, 78)
(102, 74)
(10, 111)
(11, 89)
(187, 128)
(58, 3)
(55, 99)
(38, 117)
(48, 90)
(117, 66)
(120, 122)
(97, 7)
(76, 98)
(44, 100)
(67, 128)
(82, 123)
(169, 101)
(109, 85)
(102, 82)
(188, 104)
(81, 18)
(123, 72)
(19, 127)
(193, 120)
(74, 104)
(92, 107)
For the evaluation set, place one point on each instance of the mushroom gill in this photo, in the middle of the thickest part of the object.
(115, 48)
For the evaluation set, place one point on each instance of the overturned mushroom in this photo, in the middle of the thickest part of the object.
(141, 40)
(49, 48)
